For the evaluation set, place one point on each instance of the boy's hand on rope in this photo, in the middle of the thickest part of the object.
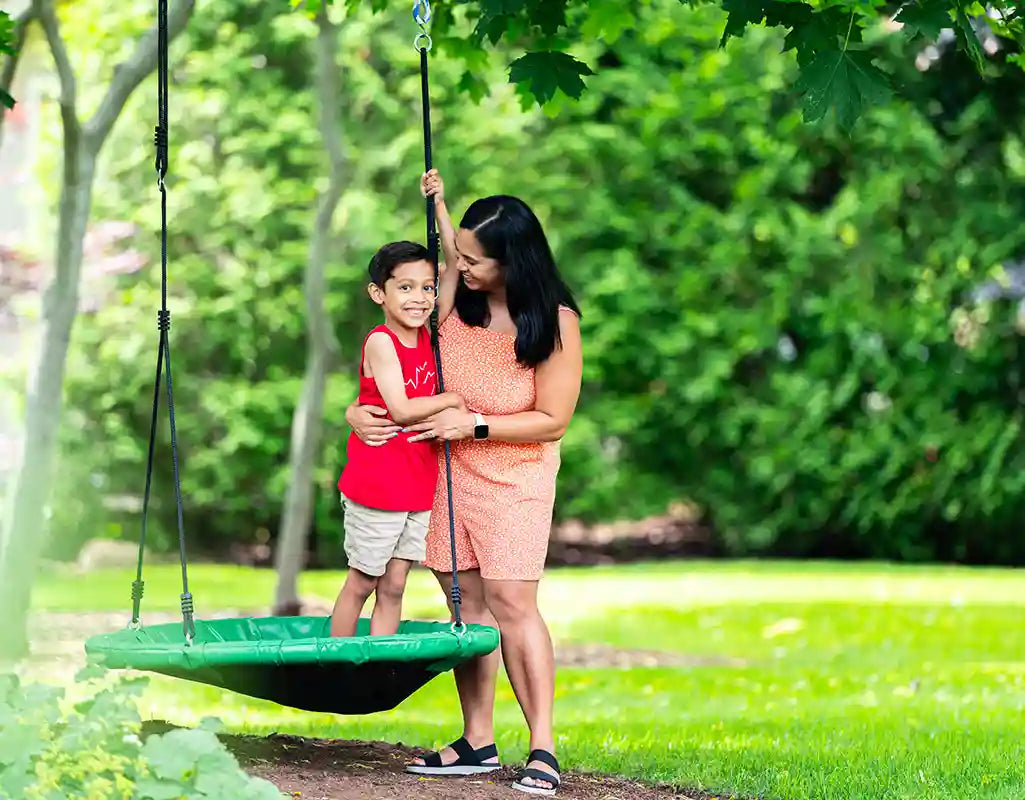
(431, 185)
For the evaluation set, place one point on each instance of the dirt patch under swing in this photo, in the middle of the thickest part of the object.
(338, 769)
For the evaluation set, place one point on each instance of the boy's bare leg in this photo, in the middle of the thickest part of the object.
(388, 601)
(351, 599)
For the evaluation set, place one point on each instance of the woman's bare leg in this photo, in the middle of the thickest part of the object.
(475, 679)
(529, 659)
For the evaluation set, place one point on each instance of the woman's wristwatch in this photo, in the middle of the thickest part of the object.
(480, 427)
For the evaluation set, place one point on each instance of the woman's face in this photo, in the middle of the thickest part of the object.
(479, 272)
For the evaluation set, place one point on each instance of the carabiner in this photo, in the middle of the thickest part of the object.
(421, 12)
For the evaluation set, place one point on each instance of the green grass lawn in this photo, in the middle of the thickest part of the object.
(846, 681)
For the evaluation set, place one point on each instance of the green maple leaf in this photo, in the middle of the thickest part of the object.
(547, 71)
(495, 18)
(352, 5)
(925, 18)
(741, 12)
(497, 8)
(475, 87)
(548, 15)
(811, 31)
(607, 19)
(969, 40)
(6, 46)
(6, 33)
(843, 80)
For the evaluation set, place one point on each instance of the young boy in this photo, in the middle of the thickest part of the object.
(387, 490)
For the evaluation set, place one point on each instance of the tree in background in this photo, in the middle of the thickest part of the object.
(21, 535)
(321, 345)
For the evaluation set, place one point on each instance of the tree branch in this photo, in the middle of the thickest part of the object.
(11, 63)
(329, 93)
(47, 16)
(131, 73)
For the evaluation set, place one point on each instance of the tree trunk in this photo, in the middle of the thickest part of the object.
(321, 344)
(22, 536)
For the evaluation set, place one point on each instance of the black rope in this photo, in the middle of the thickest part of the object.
(138, 584)
(432, 249)
(160, 141)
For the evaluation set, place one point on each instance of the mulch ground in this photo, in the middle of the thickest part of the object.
(337, 769)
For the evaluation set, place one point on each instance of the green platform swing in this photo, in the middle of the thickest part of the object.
(292, 661)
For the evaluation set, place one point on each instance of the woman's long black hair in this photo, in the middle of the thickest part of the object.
(510, 233)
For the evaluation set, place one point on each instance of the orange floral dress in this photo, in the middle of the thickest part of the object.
(503, 493)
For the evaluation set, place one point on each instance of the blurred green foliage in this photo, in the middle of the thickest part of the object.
(839, 72)
(777, 320)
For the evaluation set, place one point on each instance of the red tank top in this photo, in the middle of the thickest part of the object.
(398, 475)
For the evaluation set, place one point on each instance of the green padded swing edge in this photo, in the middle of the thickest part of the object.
(287, 640)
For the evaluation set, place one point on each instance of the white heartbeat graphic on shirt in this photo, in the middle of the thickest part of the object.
(426, 375)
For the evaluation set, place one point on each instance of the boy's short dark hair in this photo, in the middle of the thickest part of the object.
(392, 255)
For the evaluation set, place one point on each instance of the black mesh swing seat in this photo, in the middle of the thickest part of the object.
(292, 661)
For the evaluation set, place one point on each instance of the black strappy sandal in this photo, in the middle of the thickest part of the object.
(539, 775)
(469, 761)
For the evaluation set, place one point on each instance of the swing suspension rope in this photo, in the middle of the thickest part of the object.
(422, 42)
(160, 140)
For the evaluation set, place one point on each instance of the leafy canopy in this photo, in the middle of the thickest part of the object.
(832, 40)
(836, 68)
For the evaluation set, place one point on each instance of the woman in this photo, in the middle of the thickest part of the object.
(512, 350)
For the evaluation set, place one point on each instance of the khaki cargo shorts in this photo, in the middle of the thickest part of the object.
(374, 537)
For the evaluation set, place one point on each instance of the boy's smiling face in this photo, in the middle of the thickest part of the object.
(409, 294)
